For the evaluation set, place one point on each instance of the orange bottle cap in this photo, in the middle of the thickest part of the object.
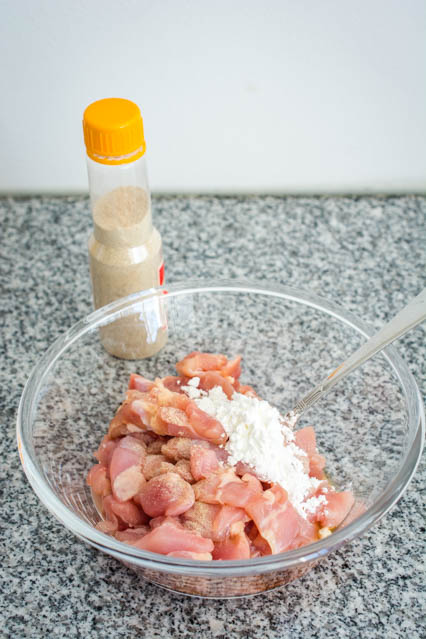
(113, 131)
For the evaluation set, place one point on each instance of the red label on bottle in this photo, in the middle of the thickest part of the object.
(161, 273)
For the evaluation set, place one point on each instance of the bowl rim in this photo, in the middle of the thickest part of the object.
(290, 559)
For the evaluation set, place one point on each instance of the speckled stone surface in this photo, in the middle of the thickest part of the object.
(368, 254)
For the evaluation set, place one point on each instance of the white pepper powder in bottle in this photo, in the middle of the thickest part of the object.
(125, 250)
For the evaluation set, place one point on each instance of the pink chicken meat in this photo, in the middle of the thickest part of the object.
(164, 483)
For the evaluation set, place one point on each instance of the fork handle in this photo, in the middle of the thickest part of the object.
(411, 315)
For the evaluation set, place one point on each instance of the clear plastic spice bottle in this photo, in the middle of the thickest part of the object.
(125, 250)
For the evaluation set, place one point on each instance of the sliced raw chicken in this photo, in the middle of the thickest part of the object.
(163, 396)
(205, 426)
(200, 518)
(131, 535)
(180, 447)
(170, 537)
(157, 521)
(166, 494)
(191, 423)
(105, 450)
(154, 446)
(225, 518)
(176, 422)
(98, 480)
(306, 440)
(336, 509)
(260, 546)
(275, 518)
(225, 487)
(122, 514)
(235, 546)
(183, 468)
(133, 415)
(187, 554)
(137, 382)
(203, 461)
(125, 469)
(175, 383)
(232, 368)
(211, 379)
(241, 469)
(316, 466)
(245, 389)
(156, 465)
(196, 363)
(160, 442)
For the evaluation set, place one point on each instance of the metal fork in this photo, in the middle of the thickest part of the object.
(411, 315)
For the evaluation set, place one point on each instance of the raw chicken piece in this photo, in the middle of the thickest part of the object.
(306, 440)
(175, 414)
(147, 437)
(98, 480)
(226, 517)
(166, 494)
(260, 546)
(122, 514)
(275, 518)
(211, 379)
(192, 423)
(154, 446)
(159, 424)
(170, 537)
(131, 535)
(205, 427)
(137, 382)
(107, 527)
(165, 397)
(245, 389)
(176, 422)
(224, 487)
(232, 368)
(235, 546)
(156, 465)
(336, 509)
(241, 469)
(125, 469)
(186, 554)
(149, 415)
(180, 447)
(210, 490)
(316, 465)
(105, 450)
(308, 532)
(200, 519)
(196, 363)
(157, 521)
(213, 521)
(175, 383)
(183, 468)
(133, 415)
(203, 461)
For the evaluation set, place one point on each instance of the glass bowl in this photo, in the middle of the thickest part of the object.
(370, 427)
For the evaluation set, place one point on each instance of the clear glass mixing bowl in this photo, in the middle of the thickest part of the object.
(370, 427)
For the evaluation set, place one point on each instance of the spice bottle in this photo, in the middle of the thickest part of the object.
(125, 250)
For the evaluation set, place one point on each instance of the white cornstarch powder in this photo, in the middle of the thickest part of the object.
(258, 437)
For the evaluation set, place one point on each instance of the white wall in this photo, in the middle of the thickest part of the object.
(237, 95)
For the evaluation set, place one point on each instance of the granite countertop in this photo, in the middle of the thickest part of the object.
(367, 253)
